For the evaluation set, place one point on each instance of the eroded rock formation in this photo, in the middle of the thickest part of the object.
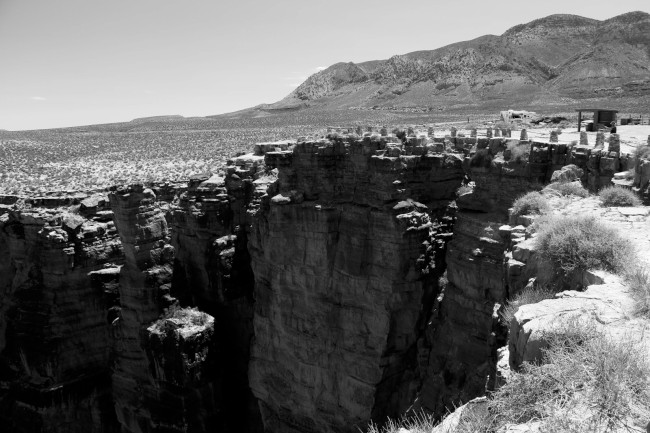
(58, 272)
(343, 280)
(301, 290)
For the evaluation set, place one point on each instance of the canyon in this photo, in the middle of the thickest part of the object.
(310, 287)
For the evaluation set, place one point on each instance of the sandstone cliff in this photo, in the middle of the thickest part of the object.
(303, 289)
(343, 279)
(57, 288)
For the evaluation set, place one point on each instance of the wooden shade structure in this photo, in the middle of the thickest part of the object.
(602, 116)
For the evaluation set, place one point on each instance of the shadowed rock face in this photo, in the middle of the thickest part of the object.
(55, 331)
(212, 271)
(339, 253)
(298, 292)
(164, 377)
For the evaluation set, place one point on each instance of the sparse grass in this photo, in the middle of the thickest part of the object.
(529, 295)
(419, 422)
(532, 203)
(638, 279)
(618, 196)
(569, 188)
(580, 243)
(586, 382)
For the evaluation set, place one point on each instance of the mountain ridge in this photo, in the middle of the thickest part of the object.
(562, 59)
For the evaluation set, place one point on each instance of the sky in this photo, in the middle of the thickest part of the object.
(80, 62)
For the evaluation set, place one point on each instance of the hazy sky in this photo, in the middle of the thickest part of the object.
(77, 62)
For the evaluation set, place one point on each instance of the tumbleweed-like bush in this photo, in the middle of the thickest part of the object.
(532, 203)
(618, 196)
(582, 242)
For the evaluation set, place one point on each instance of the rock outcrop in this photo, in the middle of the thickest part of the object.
(58, 278)
(212, 270)
(162, 377)
(302, 289)
(344, 281)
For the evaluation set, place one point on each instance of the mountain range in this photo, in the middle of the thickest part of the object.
(559, 60)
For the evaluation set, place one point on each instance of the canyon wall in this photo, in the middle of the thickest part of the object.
(301, 290)
(342, 277)
(59, 263)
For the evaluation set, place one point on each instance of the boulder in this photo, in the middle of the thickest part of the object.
(568, 173)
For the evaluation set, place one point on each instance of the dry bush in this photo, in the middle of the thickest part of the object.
(519, 152)
(581, 243)
(586, 382)
(532, 203)
(618, 196)
(568, 188)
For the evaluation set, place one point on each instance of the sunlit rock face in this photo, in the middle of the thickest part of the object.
(345, 251)
(58, 278)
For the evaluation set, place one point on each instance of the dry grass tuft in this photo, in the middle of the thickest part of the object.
(618, 196)
(639, 281)
(581, 243)
(419, 422)
(519, 152)
(529, 295)
(587, 382)
(568, 188)
(529, 204)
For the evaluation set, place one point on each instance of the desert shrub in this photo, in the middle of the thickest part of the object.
(586, 382)
(519, 152)
(529, 204)
(529, 295)
(482, 158)
(601, 383)
(580, 243)
(618, 196)
(568, 188)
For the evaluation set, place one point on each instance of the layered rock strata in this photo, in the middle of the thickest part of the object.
(58, 275)
(343, 280)
(459, 351)
(327, 255)
(212, 271)
(163, 378)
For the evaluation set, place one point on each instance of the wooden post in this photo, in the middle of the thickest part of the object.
(579, 119)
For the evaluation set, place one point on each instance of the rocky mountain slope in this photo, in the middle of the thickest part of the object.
(557, 60)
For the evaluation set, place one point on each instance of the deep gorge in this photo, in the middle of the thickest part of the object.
(342, 280)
